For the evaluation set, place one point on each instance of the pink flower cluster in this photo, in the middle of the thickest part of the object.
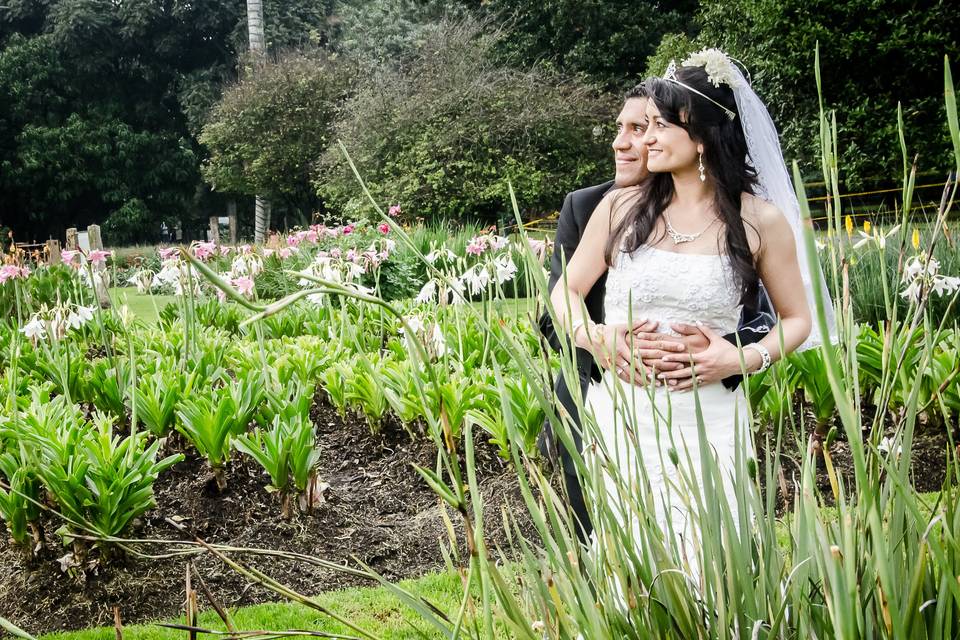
(12, 271)
(204, 250)
(480, 244)
(244, 285)
(395, 210)
(73, 257)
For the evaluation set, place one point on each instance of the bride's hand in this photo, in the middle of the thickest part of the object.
(718, 361)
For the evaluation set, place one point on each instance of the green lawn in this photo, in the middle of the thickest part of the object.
(371, 608)
(145, 306)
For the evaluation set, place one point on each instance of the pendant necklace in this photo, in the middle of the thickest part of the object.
(680, 238)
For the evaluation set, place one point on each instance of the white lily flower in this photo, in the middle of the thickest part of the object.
(427, 292)
(439, 342)
(355, 270)
(414, 322)
(455, 291)
(504, 268)
(476, 279)
(35, 329)
(887, 446)
(945, 285)
(499, 242)
(913, 290)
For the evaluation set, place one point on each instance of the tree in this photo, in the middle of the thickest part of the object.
(266, 133)
(871, 57)
(608, 41)
(255, 29)
(445, 134)
(101, 102)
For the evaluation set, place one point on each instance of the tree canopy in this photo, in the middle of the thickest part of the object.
(135, 113)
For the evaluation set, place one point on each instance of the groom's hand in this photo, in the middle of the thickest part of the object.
(619, 352)
(653, 348)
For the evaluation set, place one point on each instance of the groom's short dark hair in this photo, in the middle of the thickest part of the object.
(639, 91)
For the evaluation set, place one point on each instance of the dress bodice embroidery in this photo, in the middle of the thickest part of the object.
(670, 287)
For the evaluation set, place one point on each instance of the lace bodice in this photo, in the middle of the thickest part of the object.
(673, 287)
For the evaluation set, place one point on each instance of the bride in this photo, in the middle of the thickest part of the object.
(690, 245)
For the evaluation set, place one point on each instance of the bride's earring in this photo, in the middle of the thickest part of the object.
(703, 176)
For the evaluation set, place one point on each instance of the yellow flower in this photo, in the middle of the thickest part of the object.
(866, 226)
(915, 239)
(848, 222)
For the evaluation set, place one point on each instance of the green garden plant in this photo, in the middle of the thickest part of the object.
(288, 452)
(210, 418)
(19, 499)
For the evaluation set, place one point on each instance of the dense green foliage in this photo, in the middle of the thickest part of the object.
(872, 56)
(608, 42)
(102, 104)
(266, 132)
(445, 134)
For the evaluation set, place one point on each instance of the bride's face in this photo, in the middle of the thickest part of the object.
(669, 147)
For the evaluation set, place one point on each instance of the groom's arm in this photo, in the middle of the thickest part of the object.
(565, 243)
(754, 325)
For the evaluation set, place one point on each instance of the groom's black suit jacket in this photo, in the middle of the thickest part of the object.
(578, 206)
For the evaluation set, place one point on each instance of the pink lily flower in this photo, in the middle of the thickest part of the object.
(244, 285)
(98, 257)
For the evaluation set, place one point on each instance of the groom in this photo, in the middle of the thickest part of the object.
(630, 155)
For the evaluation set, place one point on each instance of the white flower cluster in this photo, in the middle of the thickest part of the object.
(492, 268)
(921, 274)
(718, 66)
(346, 267)
(54, 322)
(431, 335)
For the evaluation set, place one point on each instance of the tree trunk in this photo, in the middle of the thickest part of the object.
(257, 48)
(255, 26)
(261, 220)
(232, 217)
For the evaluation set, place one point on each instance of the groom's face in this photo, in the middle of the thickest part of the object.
(630, 154)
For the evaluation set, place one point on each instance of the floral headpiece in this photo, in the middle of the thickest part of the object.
(719, 68)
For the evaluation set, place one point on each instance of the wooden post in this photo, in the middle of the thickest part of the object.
(93, 235)
(232, 215)
(215, 229)
(99, 271)
(53, 252)
(72, 239)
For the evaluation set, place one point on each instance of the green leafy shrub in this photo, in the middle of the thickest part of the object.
(266, 131)
(461, 128)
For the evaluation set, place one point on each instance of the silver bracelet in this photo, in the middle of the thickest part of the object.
(764, 355)
(574, 326)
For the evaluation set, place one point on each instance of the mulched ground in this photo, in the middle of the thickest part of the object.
(928, 458)
(377, 509)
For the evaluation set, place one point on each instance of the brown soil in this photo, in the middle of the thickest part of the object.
(377, 509)
(928, 458)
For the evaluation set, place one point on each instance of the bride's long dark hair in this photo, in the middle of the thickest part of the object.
(724, 158)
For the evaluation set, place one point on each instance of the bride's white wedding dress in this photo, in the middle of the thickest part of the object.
(640, 424)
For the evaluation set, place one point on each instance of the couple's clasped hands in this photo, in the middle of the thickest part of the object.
(638, 354)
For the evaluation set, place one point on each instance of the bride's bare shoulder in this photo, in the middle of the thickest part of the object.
(618, 202)
(763, 221)
(759, 213)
